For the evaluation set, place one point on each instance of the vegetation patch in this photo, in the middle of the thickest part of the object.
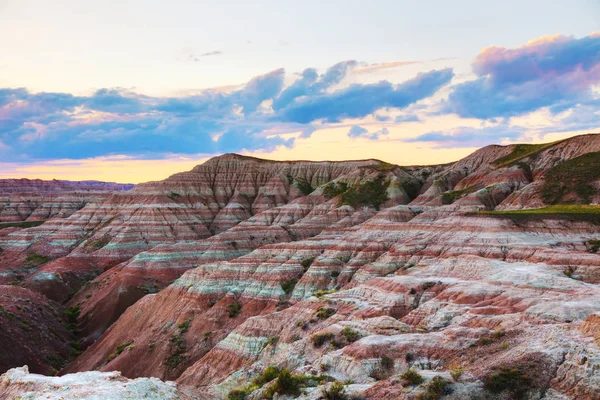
(350, 334)
(521, 151)
(281, 382)
(20, 224)
(234, 309)
(118, 350)
(335, 391)
(320, 339)
(573, 212)
(174, 196)
(435, 389)
(96, 244)
(325, 312)
(512, 381)
(321, 293)
(304, 186)
(289, 285)
(307, 262)
(370, 193)
(411, 378)
(575, 176)
(35, 259)
(72, 315)
(451, 196)
(594, 245)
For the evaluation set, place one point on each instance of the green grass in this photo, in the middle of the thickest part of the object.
(20, 224)
(370, 193)
(586, 213)
(572, 177)
(35, 259)
(512, 381)
(451, 196)
(521, 151)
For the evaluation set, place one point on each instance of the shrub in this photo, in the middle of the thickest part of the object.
(72, 314)
(320, 339)
(332, 190)
(118, 350)
(234, 309)
(178, 348)
(288, 286)
(456, 373)
(507, 380)
(325, 312)
(409, 357)
(335, 274)
(272, 340)
(370, 193)
(184, 326)
(350, 334)
(267, 376)
(307, 262)
(335, 391)
(285, 384)
(434, 389)
(594, 245)
(411, 377)
(321, 293)
(304, 186)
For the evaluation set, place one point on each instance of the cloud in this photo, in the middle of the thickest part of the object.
(358, 100)
(259, 115)
(553, 71)
(407, 118)
(464, 136)
(360, 132)
(192, 56)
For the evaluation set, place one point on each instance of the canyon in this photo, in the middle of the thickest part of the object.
(246, 278)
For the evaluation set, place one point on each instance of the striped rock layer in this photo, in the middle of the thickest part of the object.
(212, 275)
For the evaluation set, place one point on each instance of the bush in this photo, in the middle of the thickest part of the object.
(320, 339)
(411, 377)
(118, 350)
(325, 312)
(34, 259)
(370, 193)
(321, 293)
(350, 334)
(456, 373)
(307, 262)
(234, 309)
(434, 389)
(72, 314)
(289, 285)
(184, 326)
(594, 245)
(335, 391)
(285, 384)
(507, 380)
(332, 190)
(304, 186)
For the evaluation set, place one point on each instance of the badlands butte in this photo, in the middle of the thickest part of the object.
(248, 279)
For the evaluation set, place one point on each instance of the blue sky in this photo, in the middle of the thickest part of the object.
(136, 90)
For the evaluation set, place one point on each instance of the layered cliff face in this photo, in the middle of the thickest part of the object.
(479, 277)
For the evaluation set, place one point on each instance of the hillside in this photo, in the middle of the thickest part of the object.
(481, 277)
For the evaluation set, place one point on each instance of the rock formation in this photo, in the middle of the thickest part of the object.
(476, 279)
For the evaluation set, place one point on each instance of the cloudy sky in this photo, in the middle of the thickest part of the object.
(132, 91)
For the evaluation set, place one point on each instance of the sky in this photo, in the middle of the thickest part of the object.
(132, 91)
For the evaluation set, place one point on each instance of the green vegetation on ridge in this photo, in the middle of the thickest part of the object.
(588, 213)
(575, 176)
(521, 151)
